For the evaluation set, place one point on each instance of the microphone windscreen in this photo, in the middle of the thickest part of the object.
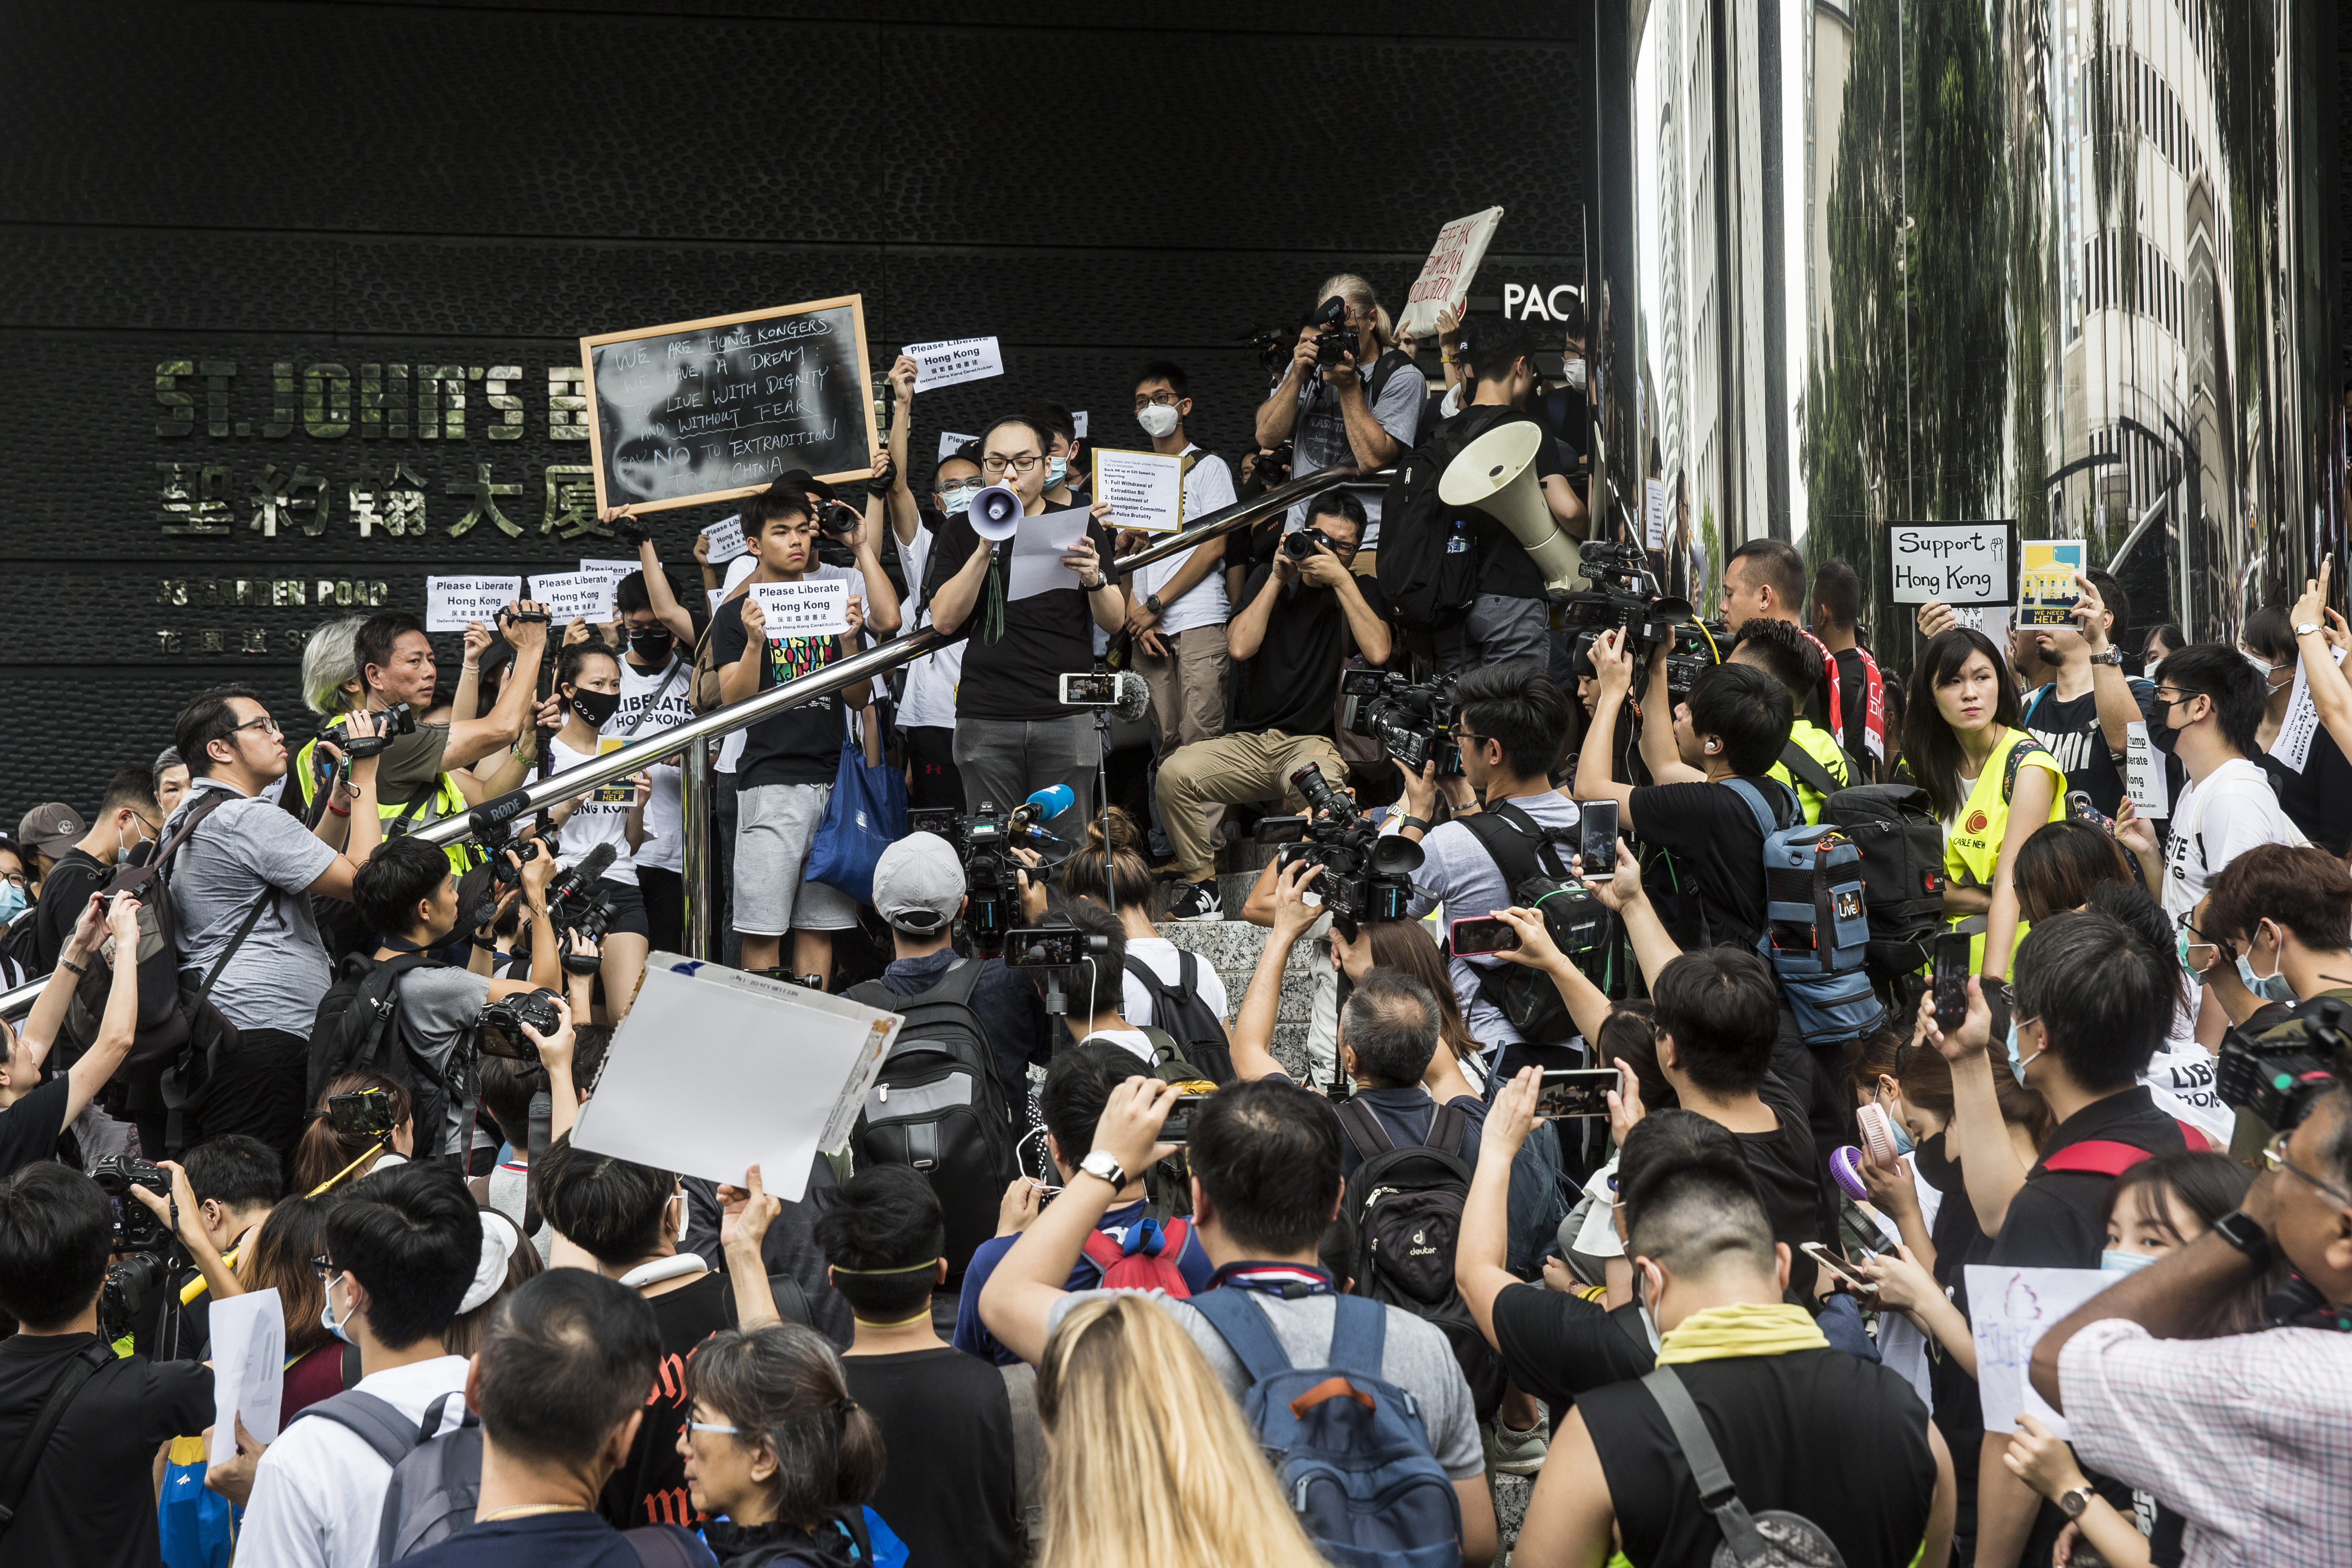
(1053, 801)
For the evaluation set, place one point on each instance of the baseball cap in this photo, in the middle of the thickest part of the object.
(51, 829)
(919, 884)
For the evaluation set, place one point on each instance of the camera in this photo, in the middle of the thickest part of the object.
(134, 1287)
(2279, 1074)
(509, 1015)
(631, 529)
(1415, 724)
(1627, 596)
(1273, 347)
(576, 904)
(1097, 688)
(1367, 875)
(397, 721)
(136, 1227)
(983, 841)
(1333, 336)
(364, 1116)
(1302, 544)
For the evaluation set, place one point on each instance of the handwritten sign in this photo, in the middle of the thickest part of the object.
(953, 441)
(2293, 746)
(2009, 1311)
(2046, 587)
(1445, 276)
(248, 1345)
(574, 596)
(2144, 773)
(451, 602)
(954, 361)
(726, 538)
(715, 409)
(1146, 489)
(812, 607)
(1952, 563)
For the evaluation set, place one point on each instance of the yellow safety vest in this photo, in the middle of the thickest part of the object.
(1816, 743)
(1972, 842)
(445, 799)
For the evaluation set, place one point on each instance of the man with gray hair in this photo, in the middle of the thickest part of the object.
(1361, 410)
(1388, 1033)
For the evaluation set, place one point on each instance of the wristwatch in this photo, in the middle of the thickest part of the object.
(2114, 656)
(2244, 1232)
(1413, 822)
(2305, 628)
(1151, 603)
(2073, 1502)
(1099, 1162)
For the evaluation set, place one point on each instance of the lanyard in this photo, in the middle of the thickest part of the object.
(1288, 1281)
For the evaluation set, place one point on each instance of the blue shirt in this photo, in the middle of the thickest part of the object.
(577, 1540)
(1011, 1014)
(1406, 1114)
(972, 1335)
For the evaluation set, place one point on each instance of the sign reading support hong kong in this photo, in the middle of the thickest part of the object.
(1952, 563)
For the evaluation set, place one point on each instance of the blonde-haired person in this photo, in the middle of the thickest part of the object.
(1362, 411)
(1147, 1457)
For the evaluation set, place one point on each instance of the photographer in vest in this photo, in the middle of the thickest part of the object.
(1362, 411)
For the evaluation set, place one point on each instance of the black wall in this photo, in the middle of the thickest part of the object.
(477, 185)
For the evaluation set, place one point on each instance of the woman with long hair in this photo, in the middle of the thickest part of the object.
(1147, 1458)
(588, 691)
(279, 1259)
(1117, 871)
(325, 1154)
(1990, 781)
(777, 1454)
(2062, 862)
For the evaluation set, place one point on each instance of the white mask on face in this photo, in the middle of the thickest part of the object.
(1573, 374)
(1158, 419)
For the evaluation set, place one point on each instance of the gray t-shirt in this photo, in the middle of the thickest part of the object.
(1320, 439)
(1413, 1356)
(509, 1189)
(245, 846)
(1457, 869)
(439, 1007)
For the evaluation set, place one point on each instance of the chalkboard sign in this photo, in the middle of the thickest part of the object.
(715, 409)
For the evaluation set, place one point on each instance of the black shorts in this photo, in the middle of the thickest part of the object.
(628, 907)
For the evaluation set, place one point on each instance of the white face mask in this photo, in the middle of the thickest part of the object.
(1158, 419)
(1573, 374)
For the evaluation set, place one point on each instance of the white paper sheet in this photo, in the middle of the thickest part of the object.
(726, 538)
(1037, 552)
(812, 607)
(2009, 1311)
(954, 361)
(2144, 773)
(1146, 489)
(953, 441)
(451, 602)
(248, 1355)
(583, 596)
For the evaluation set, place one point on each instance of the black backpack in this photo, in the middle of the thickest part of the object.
(1902, 846)
(1406, 1207)
(1429, 557)
(357, 1029)
(1178, 1012)
(1533, 859)
(936, 1106)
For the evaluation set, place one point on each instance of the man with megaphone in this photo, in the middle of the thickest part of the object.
(1013, 734)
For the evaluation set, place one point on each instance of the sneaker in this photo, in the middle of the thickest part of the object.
(1515, 1453)
(1196, 901)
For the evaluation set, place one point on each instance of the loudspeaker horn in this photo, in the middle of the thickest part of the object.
(1496, 474)
(995, 513)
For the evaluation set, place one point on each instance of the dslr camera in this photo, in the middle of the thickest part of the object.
(1367, 875)
(2281, 1072)
(1302, 544)
(1415, 724)
(983, 841)
(1628, 597)
(136, 1228)
(1333, 336)
(397, 721)
(507, 1016)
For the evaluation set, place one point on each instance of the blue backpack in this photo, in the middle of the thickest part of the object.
(1816, 925)
(1350, 1451)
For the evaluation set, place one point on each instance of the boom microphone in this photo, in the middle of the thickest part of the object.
(995, 513)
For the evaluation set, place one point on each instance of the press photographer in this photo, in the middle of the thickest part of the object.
(1347, 399)
(79, 1426)
(1304, 616)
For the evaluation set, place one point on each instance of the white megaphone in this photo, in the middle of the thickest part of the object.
(995, 513)
(1496, 474)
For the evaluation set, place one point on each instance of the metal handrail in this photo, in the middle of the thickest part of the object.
(494, 815)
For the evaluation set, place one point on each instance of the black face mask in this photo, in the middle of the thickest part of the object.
(652, 645)
(2160, 732)
(595, 706)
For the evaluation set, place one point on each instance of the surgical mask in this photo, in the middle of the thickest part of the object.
(327, 1319)
(956, 500)
(12, 901)
(124, 847)
(1573, 374)
(1903, 1143)
(2181, 946)
(2016, 1062)
(1056, 470)
(2272, 987)
(2114, 1262)
(1158, 419)
(2262, 668)
(595, 706)
(652, 643)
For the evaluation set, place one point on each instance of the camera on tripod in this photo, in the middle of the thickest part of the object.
(1628, 598)
(2279, 1074)
(1367, 875)
(1415, 724)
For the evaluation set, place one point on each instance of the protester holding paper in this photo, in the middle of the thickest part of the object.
(926, 708)
(588, 687)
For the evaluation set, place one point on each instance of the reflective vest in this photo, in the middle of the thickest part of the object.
(1972, 841)
(1818, 744)
(443, 800)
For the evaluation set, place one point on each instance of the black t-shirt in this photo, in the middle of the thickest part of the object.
(1504, 566)
(1292, 682)
(30, 1129)
(2059, 1219)
(1842, 1441)
(1713, 837)
(947, 1423)
(650, 1485)
(1046, 635)
(2068, 728)
(801, 745)
(92, 1503)
(2318, 800)
(65, 893)
(1787, 1177)
(1557, 1346)
(1959, 1414)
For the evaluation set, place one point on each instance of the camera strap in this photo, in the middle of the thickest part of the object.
(79, 1368)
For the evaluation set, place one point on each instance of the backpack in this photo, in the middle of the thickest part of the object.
(1900, 846)
(19, 946)
(1351, 1449)
(1429, 557)
(936, 1106)
(1406, 1207)
(1193, 1027)
(357, 1029)
(1773, 1539)
(1532, 858)
(1143, 1259)
(1816, 925)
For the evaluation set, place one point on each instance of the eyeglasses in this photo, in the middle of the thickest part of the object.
(996, 465)
(1165, 399)
(713, 1427)
(2275, 1156)
(264, 723)
(13, 878)
(324, 1266)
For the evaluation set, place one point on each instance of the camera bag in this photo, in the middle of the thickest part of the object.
(1429, 560)
(1816, 924)
(1901, 846)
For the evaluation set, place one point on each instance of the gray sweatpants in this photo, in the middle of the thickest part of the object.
(1008, 760)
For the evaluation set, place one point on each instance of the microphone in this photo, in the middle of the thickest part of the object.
(1134, 698)
(1049, 802)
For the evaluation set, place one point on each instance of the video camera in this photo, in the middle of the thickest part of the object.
(397, 721)
(983, 841)
(1628, 597)
(2279, 1074)
(1415, 724)
(1273, 347)
(1367, 875)
(575, 904)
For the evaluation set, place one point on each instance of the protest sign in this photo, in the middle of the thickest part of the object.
(615, 570)
(2046, 594)
(2293, 746)
(715, 1070)
(1656, 513)
(952, 442)
(570, 595)
(451, 602)
(812, 607)
(1037, 552)
(726, 538)
(713, 409)
(1146, 489)
(717, 596)
(249, 1356)
(1445, 276)
(954, 361)
(2009, 1311)
(1952, 563)
(2144, 773)
(1078, 423)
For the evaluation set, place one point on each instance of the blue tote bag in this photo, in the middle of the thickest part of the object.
(867, 814)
